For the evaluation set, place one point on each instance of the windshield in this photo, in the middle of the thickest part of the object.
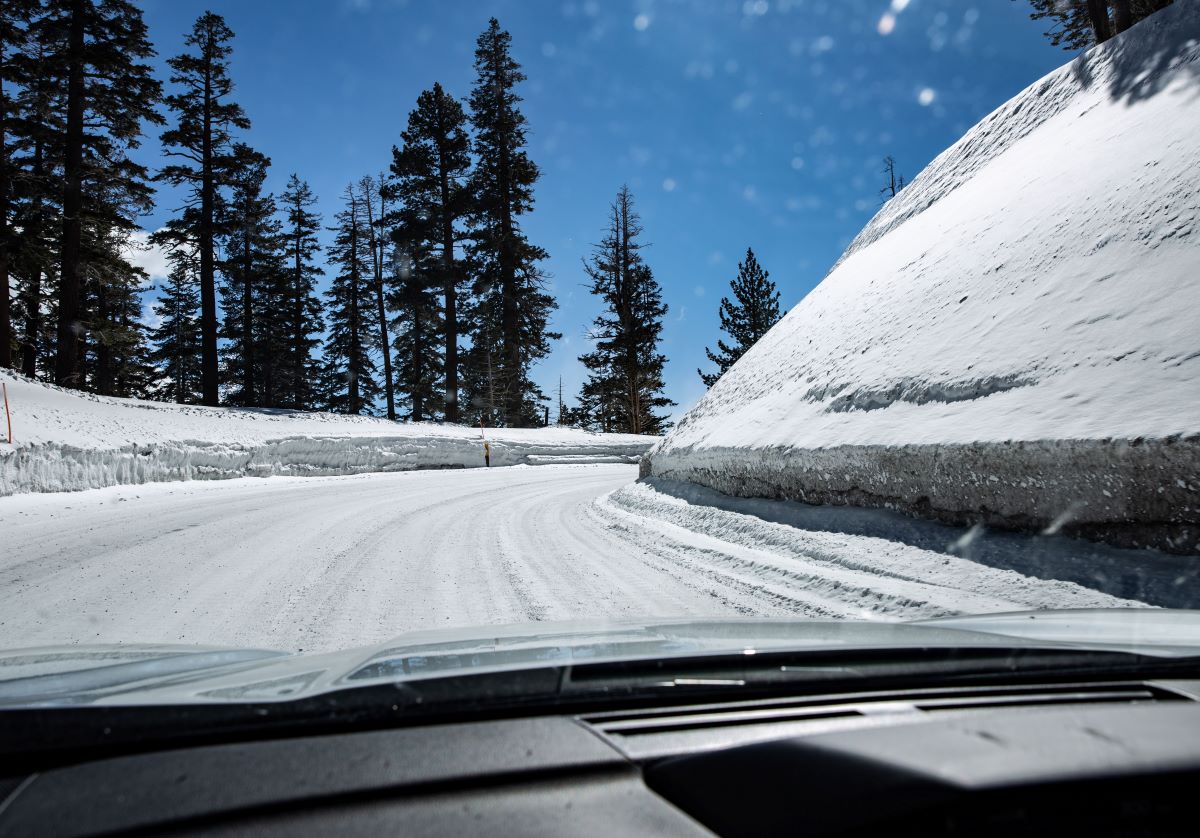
(451, 337)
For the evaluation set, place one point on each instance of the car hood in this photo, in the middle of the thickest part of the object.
(167, 674)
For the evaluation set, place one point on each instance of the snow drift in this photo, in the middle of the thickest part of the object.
(1014, 338)
(64, 440)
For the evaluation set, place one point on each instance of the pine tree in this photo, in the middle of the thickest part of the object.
(252, 269)
(350, 373)
(200, 142)
(507, 279)
(1079, 24)
(176, 338)
(625, 370)
(749, 316)
(14, 21)
(37, 129)
(431, 170)
(418, 327)
(116, 361)
(99, 55)
(372, 190)
(301, 307)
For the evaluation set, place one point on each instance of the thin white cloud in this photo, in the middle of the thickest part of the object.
(150, 258)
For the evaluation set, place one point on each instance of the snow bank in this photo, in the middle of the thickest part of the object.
(1013, 338)
(835, 574)
(64, 440)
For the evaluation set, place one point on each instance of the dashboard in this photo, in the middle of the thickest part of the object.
(1096, 758)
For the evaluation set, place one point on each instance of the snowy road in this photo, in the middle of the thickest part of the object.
(325, 563)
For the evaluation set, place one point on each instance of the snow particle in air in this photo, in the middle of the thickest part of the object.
(669, 185)
(887, 22)
(797, 163)
(926, 96)
(641, 23)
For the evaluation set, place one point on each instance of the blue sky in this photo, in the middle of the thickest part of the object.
(736, 124)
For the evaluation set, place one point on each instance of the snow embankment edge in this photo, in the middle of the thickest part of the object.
(57, 467)
(1130, 493)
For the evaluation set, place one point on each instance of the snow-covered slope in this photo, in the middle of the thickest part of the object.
(63, 440)
(1034, 293)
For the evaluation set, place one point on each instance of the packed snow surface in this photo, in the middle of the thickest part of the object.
(1037, 281)
(66, 440)
(334, 562)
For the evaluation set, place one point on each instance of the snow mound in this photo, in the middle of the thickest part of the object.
(1035, 286)
(65, 440)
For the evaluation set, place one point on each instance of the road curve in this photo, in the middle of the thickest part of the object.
(325, 563)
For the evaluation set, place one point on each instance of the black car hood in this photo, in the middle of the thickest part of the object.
(165, 674)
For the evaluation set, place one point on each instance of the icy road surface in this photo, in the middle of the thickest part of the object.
(331, 562)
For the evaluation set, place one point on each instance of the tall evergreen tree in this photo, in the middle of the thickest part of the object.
(252, 270)
(116, 361)
(372, 190)
(15, 18)
(750, 315)
(515, 334)
(350, 374)
(176, 338)
(302, 308)
(431, 170)
(100, 54)
(36, 132)
(1079, 24)
(200, 143)
(418, 327)
(625, 369)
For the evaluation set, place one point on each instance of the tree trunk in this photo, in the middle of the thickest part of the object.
(6, 333)
(449, 284)
(248, 359)
(381, 309)
(418, 403)
(510, 349)
(298, 353)
(67, 367)
(209, 371)
(33, 290)
(1098, 16)
(354, 396)
(1122, 16)
(103, 376)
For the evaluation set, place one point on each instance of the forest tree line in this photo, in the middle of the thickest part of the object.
(436, 307)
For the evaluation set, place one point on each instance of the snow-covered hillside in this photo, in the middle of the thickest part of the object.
(1015, 337)
(63, 440)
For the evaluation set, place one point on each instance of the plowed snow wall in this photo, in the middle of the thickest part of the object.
(56, 467)
(1133, 493)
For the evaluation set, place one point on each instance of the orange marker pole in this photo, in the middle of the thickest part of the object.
(7, 415)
